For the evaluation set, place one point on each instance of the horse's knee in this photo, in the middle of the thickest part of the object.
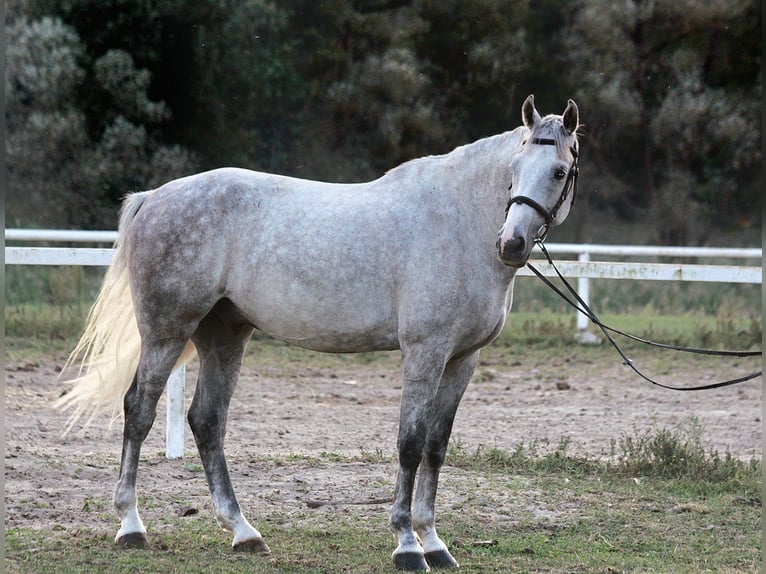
(435, 452)
(410, 446)
(140, 411)
(204, 421)
(410, 456)
(198, 420)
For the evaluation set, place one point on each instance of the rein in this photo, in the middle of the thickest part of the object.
(583, 308)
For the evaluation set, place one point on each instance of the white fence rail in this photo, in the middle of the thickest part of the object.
(584, 269)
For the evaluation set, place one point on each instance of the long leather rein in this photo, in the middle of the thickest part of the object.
(581, 306)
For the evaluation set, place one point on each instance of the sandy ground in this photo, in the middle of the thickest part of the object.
(66, 483)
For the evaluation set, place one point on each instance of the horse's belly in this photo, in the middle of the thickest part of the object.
(329, 338)
(321, 317)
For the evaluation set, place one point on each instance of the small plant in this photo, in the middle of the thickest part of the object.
(679, 454)
(669, 454)
(536, 457)
(375, 456)
(193, 467)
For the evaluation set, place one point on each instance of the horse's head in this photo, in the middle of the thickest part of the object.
(544, 181)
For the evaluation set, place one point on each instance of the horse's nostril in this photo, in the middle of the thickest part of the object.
(513, 247)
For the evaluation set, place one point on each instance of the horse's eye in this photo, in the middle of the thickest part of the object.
(560, 174)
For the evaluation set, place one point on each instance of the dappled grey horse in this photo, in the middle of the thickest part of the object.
(421, 260)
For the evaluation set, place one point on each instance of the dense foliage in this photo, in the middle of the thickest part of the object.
(108, 97)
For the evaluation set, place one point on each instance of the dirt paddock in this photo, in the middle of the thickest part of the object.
(345, 408)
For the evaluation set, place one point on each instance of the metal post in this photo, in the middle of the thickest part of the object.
(174, 440)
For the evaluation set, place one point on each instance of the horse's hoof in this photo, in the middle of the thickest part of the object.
(252, 546)
(133, 540)
(441, 559)
(411, 561)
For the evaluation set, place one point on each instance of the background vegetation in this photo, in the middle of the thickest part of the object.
(108, 97)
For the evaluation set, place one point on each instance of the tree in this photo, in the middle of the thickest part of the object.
(653, 115)
(477, 54)
(710, 141)
(343, 91)
(61, 173)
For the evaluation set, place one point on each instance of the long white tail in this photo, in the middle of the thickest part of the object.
(109, 349)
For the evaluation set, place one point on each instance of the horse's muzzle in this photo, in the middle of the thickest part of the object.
(513, 251)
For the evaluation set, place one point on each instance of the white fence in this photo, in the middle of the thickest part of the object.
(584, 269)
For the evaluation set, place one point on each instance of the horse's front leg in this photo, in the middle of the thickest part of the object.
(442, 415)
(421, 374)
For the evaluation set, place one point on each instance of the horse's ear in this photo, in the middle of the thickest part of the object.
(529, 114)
(571, 117)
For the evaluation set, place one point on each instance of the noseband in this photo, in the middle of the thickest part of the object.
(570, 186)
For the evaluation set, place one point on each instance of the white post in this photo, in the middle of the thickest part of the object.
(174, 441)
(583, 290)
(583, 336)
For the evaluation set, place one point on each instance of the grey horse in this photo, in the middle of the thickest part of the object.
(421, 260)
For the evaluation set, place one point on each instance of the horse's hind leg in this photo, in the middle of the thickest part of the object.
(451, 389)
(140, 403)
(220, 340)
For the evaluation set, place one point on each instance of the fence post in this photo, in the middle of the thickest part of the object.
(174, 438)
(583, 289)
(584, 336)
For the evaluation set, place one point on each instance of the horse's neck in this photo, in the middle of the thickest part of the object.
(488, 160)
(484, 177)
(472, 179)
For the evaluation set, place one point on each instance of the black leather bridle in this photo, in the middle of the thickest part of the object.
(570, 186)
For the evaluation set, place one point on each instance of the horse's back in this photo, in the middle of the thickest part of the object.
(313, 263)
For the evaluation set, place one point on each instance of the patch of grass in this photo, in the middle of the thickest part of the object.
(672, 454)
(677, 454)
(533, 458)
(614, 532)
(660, 504)
(44, 322)
(550, 520)
(610, 296)
(546, 328)
(376, 456)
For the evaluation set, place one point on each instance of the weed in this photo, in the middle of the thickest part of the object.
(375, 456)
(534, 458)
(679, 454)
(658, 453)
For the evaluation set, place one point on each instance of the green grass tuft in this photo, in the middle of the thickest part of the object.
(657, 453)
(678, 454)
